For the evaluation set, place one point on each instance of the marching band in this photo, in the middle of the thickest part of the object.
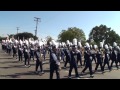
(69, 52)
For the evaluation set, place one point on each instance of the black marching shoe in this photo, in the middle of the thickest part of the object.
(94, 71)
(91, 76)
(36, 72)
(103, 72)
(69, 77)
(42, 72)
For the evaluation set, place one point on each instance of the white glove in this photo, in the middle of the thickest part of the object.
(58, 63)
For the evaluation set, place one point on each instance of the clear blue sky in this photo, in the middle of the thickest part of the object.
(52, 22)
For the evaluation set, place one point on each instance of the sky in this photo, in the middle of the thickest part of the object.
(53, 22)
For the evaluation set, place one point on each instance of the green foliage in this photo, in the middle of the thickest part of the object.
(70, 34)
(2, 38)
(98, 33)
(12, 35)
(48, 39)
(24, 35)
(113, 37)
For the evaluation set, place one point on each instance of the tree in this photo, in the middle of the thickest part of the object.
(11, 35)
(113, 37)
(70, 34)
(2, 38)
(48, 39)
(102, 32)
(24, 35)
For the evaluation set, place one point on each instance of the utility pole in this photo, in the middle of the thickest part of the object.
(17, 32)
(37, 20)
(17, 29)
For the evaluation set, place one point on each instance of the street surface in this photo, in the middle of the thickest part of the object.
(10, 68)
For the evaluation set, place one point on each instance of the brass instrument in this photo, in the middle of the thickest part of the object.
(102, 53)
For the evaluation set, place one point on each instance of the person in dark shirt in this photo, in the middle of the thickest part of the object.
(99, 56)
(93, 54)
(118, 56)
(38, 61)
(20, 53)
(9, 48)
(114, 57)
(79, 57)
(54, 63)
(44, 52)
(67, 54)
(106, 59)
(110, 55)
(73, 62)
(62, 55)
(14, 47)
(88, 59)
(27, 56)
(32, 51)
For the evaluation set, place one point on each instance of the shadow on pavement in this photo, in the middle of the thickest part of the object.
(73, 77)
(9, 76)
(6, 58)
(17, 75)
(5, 62)
(14, 66)
(47, 71)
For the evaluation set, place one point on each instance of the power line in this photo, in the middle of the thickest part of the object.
(37, 20)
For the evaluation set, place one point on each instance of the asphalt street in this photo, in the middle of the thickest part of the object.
(11, 68)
